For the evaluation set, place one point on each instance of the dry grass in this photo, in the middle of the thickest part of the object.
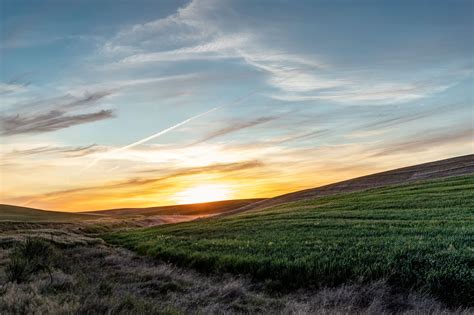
(90, 277)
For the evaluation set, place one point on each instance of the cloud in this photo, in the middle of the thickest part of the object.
(139, 183)
(68, 151)
(394, 120)
(213, 168)
(301, 136)
(187, 27)
(86, 100)
(53, 114)
(29, 41)
(169, 84)
(236, 126)
(219, 48)
(17, 84)
(429, 140)
(361, 91)
(208, 30)
(200, 31)
(50, 121)
(314, 80)
(68, 102)
(6, 88)
(384, 93)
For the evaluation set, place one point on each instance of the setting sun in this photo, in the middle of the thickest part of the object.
(204, 193)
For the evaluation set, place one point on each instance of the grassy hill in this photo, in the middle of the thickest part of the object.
(414, 236)
(461, 165)
(24, 214)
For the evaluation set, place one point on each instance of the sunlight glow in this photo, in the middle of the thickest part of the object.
(204, 193)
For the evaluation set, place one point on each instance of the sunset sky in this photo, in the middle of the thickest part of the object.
(111, 104)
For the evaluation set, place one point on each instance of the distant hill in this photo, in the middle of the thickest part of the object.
(24, 214)
(149, 216)
(462, 165)
(208, 208)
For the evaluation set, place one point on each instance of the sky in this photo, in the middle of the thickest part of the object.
(108, 104)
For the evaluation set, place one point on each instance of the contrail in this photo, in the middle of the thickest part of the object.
(153, 136)
(165, 131)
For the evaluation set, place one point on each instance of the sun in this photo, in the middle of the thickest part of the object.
(204, 193)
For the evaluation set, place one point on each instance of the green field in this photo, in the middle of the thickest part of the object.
(418, 236)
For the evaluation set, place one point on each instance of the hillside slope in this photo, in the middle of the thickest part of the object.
(415, 236)
(462, 165)
(132, 216)
(24, 214)
(207, 208)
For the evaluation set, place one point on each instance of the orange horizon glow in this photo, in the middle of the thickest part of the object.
(161, 103)
(197, 181)
(204, 193)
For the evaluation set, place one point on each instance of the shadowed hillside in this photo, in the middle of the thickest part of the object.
(134, 216)
(462, 165)
(23, 214)
(207, 208)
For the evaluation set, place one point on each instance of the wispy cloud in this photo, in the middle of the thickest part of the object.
(213, 168)
(17, 84)
(116, 86)
(68, 102)
(187, 27)
(66, 151)
(130, 187)
(398, 119)
(219, 48)
(355, 93)
(300, 136)
(50, 121)
(6, 88)
(428, 141)
(234, 126)
(53, 114)
(205, 30)
(17, 41)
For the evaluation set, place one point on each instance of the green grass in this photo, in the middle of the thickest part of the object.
(417, 236)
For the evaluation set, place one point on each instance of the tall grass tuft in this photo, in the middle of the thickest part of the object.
(31, 256)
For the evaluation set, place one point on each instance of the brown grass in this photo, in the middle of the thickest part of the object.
(90, 277)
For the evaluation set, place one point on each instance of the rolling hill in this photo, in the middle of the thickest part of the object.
(137, 216)
(462, 165)
(416, 236)
(208, 208)
(24, 214)
(412, 228)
